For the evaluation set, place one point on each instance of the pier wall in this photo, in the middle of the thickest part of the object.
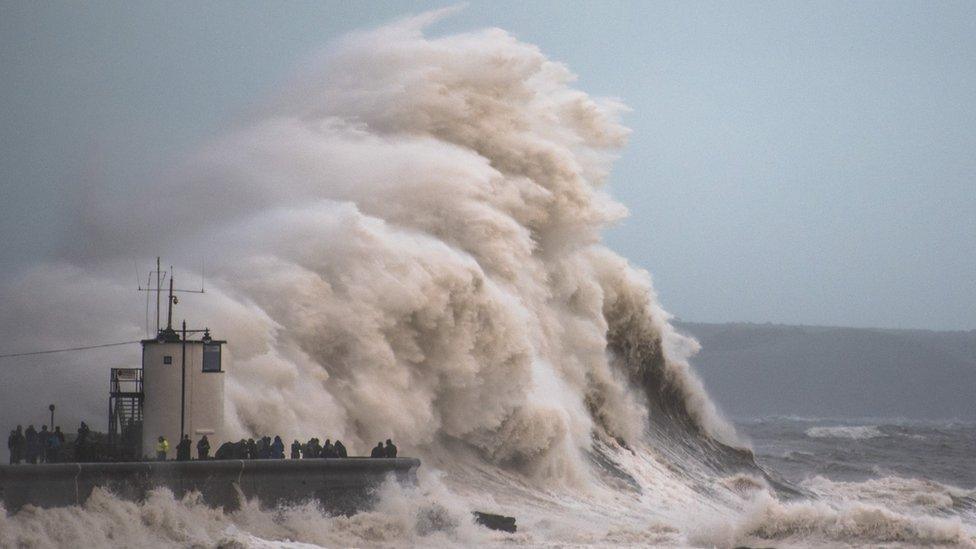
(339, 485)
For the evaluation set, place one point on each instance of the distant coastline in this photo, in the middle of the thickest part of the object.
(756, 370)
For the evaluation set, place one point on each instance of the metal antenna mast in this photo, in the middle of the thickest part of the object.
(160, 275)
(170, 302)
(171, 299)
(159, 284)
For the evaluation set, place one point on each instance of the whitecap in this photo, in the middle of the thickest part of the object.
(856, 432)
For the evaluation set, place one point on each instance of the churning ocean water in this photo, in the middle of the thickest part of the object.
(860, 450)
(813, 483)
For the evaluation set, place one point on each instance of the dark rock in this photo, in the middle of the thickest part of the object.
(495, 522)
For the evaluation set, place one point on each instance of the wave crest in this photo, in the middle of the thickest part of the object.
(856, 432)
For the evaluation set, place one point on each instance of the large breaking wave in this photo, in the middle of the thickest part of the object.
(406, 243)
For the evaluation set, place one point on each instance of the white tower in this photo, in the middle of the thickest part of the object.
(182, 382)
(183, 387)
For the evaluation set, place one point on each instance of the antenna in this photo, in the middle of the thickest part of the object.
(159, 284)
(171, 300)
(160, 275)
(135, 267)
(148, 282)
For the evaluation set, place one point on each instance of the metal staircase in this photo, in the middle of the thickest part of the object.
(125, 413)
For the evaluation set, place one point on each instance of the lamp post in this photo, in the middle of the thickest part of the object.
(51, 407)
(183, 384)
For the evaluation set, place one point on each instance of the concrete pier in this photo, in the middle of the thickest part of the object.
(339, 485)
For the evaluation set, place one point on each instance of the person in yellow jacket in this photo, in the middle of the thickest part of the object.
(162, 447)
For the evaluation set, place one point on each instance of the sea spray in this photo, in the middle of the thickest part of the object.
(406, 244)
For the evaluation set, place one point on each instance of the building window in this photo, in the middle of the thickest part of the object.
(167, 359)
(211, 357)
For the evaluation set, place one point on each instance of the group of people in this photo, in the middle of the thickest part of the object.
(380, 451)
(33, 446)
(314, 449)
(183, 448)
(45, 446)
(266, 448)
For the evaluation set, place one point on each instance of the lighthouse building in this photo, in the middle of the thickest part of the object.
(183, 388)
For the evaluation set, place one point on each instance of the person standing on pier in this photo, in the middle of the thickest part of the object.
(391, 449)
(58, 434)
(203, 448)
(81, 444)
(43, 440)
(296, 450)
(340, 449)
(263, 448)
(162, 447)
(312, 449)
(183, 449)
(52, 448)
(378, 451)
(32, 444)
(16, 444)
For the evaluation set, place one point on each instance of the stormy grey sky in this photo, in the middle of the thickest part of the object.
(790, 162)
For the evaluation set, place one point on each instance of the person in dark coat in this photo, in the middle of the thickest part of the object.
(32, 444)
(327, 450)
(82, 453)
(313, 449)
(296, 450)
(43, 439)
(391, 449)
(11, 443)
(15, 443)
(264, 448)
(251, 449)
(340, 449)
(226, 451)
(203, 448)
(60, 436)
(183, 449)
(378, 451)
(21, 444)
(278, 448)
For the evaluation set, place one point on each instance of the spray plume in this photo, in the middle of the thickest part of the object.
(406, 243)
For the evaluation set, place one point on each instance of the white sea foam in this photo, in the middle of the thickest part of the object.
(909, 495)
(856, 432)
(428, 516)
(854, 524)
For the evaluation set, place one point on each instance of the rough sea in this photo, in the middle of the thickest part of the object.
(861, 450)
(817, 483)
